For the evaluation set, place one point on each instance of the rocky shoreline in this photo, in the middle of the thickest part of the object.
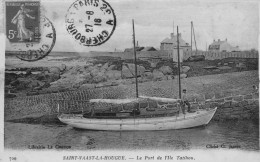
(106, 72)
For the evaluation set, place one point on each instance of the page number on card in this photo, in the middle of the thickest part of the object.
(12, 158)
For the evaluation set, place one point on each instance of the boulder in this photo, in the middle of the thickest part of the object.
(35, 83)
(14, 83)
(10, 77)
(153, 64)
(21, 83)
(98, 79)
(185, 69)
(196, 58)
(126, 81)
(63, 67)
(40, 84)
(210, 67)
(166, 70)
(87, 86)
(7, 95)
(73, 70)
(169, 77)
(158, 75)
(240, 66)
(109, 84)
(50, 77)
(90, 68)
(54, 70)
(111, 67)
(183, 76)
(28, 72)
(99, 85)
(24, 83)
(69, 81)
(148, 75)
(87, 77)
(40, 76)
(104, 67)
(126, 73)
(94, 72)
(76, 85)
(113, 75)
(32, 93)
(224, 67)
(140, 69)
(81, 69)
(89, 64)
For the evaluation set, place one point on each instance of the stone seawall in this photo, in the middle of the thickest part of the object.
(231, 106)
(210, 55)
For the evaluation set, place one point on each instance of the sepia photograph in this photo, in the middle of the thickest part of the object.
(130, 80)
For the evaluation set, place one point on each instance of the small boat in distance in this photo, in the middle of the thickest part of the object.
(137, 118)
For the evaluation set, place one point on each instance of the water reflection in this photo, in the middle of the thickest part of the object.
(238, 134)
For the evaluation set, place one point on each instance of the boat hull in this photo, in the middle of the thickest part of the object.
(188, 120)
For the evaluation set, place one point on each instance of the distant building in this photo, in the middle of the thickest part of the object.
(136, 49)
(222, 46)
(140, 49)
(168, 44)
(149, 49)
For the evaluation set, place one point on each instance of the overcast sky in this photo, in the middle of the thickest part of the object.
(235, 20)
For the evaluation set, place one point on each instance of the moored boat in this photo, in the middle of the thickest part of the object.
(129, 120)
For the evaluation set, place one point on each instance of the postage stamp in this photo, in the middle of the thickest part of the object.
(31, 51)
(23, 21)
(90, 22)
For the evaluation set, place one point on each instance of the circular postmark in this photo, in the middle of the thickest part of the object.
(33, 51)
(90, 22)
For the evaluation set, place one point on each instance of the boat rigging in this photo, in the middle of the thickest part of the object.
(134, 119)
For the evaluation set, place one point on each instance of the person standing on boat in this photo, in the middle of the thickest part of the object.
(184, 101)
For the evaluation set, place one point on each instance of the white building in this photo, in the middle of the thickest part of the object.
(222, 46)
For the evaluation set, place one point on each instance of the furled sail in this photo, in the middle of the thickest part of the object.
(115, 101)
(160, 99)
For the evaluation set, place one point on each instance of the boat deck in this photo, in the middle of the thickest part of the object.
(128, 116)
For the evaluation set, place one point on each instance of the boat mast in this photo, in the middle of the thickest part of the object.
(192, 27)
(179, 66)
(136, 81)
(191, 35)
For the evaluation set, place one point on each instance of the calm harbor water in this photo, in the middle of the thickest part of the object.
(235, 134)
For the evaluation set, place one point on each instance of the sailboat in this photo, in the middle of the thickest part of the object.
(135, 120)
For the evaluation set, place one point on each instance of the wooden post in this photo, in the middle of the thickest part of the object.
(179, 67)
(136, 81)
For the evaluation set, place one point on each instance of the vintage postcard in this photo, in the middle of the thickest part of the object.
(129, 80)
